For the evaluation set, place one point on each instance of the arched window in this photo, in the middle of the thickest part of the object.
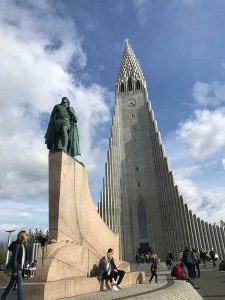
(129, 85)
(138, 85)
(142, 224)
(122, 87)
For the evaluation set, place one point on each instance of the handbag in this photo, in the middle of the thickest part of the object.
(9, 272)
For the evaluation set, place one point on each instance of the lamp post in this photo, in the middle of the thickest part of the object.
(9, 241)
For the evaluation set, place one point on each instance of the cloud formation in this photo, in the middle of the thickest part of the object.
(203, 134)
(209, 94)
(40, 45)
(208, 204)
(196, 150)
(142, 8)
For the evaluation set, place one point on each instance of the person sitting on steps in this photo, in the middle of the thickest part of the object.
(104, 271)
(181, 275)
(115, 272)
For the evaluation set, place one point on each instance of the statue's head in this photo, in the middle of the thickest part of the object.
(65, 100)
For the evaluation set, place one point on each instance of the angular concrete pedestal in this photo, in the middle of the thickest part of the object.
(78, 235)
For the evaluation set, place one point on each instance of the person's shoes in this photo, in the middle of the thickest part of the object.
(150, 281)
(158, 282)
(119, 286)
(113, 281)
(114, 289)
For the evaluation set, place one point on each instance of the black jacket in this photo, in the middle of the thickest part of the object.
(15, 261)
(102, 267)
(188, 257)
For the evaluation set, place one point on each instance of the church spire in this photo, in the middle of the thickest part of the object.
(129, 69)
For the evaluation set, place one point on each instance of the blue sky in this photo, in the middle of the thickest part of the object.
(73, 48)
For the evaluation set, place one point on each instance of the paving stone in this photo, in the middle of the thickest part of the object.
(211, 283)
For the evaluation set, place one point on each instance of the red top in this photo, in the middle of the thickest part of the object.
(179, 272)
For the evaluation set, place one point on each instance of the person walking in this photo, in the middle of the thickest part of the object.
(203, 254)
(16, 265)
(169, 259)
(212, 255)
(188, 260)
(196, 261)
(137, 259)
(155, 261)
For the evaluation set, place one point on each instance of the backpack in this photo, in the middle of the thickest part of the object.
(173, 271)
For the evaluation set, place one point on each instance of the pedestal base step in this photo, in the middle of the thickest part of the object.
(54, 290)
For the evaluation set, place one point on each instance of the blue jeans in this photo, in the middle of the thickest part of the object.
(19, 280)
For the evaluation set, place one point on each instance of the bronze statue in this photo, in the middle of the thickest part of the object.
(62, 133)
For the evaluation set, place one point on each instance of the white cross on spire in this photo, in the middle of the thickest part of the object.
(127, 41)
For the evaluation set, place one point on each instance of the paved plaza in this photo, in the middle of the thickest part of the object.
(211, 283)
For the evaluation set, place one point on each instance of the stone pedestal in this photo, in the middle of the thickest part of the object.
(78, 236)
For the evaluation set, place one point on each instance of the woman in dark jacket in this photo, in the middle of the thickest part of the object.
(16, 264)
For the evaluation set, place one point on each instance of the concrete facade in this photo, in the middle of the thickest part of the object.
(140, 200)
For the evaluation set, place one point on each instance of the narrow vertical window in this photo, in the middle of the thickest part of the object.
(137, 169)
(142, 221)
(122, 87)
(129, 85)
(138, 85)
(139, 184)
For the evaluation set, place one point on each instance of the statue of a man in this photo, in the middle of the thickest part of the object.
(62, 133)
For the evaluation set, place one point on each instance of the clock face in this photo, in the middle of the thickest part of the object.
(131, 102)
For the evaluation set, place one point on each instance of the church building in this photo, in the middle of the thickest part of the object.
(140, 199)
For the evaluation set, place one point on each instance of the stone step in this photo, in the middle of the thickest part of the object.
(71, 287)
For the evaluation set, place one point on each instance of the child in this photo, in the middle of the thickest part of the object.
(155, 261)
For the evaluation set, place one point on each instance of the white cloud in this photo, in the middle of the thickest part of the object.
(186, 186)
(208, 203)
(211, 94)
(38, 49)
(200, 182)
(188, 171)
(142, 8)
(204, 134)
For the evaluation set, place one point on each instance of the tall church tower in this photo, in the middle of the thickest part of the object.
(139, 199)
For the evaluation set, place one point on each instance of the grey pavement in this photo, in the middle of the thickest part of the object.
(211, 283)
(166, 289)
